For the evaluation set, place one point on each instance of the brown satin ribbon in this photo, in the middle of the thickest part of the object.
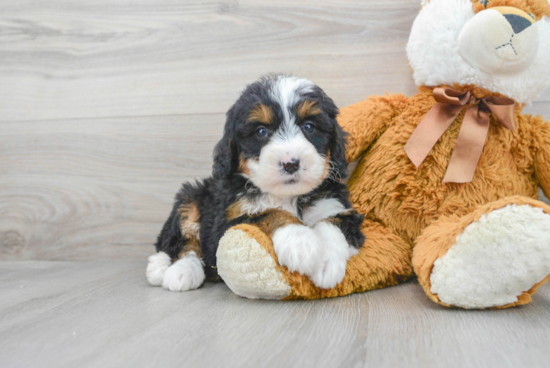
(472, 135)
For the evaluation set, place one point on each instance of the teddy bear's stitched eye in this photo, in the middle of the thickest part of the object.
(484, 2)
(532, 15)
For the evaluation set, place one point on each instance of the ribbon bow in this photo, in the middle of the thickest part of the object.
(472, 135)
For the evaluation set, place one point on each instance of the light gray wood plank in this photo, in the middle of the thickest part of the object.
(89, 189)
(104, 314)
(63, 59)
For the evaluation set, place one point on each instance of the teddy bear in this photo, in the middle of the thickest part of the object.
(447, 179)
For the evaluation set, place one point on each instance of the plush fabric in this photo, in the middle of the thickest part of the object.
(439, 237)
(384, 259)
(412, 218)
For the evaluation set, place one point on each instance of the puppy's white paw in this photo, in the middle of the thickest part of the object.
(157, 266)
(185, 274)
(330, 274)
(298, 248)
(336, 255)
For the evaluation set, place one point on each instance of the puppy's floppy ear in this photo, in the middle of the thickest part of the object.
(338, 144)
(338, 151)
(326, 103)
(223, 157)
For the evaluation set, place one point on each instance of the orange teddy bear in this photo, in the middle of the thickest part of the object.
(447, 179)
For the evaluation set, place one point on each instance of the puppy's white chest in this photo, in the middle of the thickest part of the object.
(321, 210)
(266, 202)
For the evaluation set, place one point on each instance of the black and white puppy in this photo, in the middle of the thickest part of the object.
(278, 166)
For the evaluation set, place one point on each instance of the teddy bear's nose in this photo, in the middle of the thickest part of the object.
(518, 19)
(517, 22)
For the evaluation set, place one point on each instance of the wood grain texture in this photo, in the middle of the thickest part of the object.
(106, 106)
(108, 58)
(89, 189)
(104, 314)
(63, 59)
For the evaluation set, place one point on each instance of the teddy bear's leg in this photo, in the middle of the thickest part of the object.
(248, 264)
(495, 257)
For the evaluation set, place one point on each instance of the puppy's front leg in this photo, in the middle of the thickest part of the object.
(341, 239)
(297, 246)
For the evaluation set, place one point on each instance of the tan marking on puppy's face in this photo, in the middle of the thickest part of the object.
(243, 165)
(262, 114)
(307, 108)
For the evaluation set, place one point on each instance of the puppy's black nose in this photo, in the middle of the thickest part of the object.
(292, 166)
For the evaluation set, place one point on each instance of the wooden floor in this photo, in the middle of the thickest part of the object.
(104, 314)
(106, 106)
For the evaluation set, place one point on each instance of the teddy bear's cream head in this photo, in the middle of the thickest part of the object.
(499, 45)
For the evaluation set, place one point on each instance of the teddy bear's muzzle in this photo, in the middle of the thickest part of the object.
(499, 40)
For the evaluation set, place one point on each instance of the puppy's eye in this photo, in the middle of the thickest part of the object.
(261, 132)
(308, 128)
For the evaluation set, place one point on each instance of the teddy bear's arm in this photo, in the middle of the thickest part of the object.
(542, 153)
(365, 121)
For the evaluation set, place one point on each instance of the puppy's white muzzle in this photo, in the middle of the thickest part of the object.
(269, 174)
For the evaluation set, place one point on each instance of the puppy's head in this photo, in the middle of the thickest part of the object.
(282, 135)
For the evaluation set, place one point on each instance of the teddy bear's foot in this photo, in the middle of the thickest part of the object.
(246, 266)
(496, 260)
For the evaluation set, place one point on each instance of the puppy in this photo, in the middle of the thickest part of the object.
(278, 166)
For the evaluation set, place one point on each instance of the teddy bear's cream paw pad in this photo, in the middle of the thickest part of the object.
(157, 266)
(185, 274)
(495, 259)
(248, 269)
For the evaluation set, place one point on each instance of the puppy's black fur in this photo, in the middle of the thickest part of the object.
(242, 141)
